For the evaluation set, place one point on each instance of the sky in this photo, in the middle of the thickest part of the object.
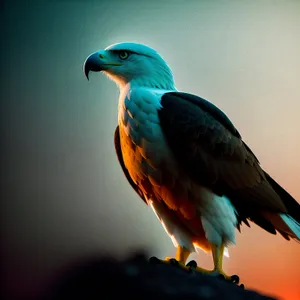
(64, 195)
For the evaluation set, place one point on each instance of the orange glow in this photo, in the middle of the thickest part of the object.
(264, 271)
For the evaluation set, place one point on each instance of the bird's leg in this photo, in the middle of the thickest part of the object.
(180, 259)
(218, 253)
(182, 255)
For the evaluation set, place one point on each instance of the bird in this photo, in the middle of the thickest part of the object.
(186, 160)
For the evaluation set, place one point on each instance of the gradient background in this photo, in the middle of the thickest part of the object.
(65, 195)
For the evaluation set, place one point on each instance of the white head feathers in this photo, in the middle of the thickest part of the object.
(139, 65)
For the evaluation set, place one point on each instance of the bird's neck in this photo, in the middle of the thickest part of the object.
(127, 87)
(152, 82)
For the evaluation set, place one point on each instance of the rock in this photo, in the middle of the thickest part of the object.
(136, 278)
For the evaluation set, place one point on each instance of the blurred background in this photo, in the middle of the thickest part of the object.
(64, 195)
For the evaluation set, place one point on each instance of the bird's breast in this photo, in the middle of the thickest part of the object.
(145, 152)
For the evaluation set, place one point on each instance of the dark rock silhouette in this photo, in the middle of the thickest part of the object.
(136, 278)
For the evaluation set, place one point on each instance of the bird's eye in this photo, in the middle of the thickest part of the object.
(123, 54)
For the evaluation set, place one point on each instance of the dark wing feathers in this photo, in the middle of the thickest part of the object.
(290, 203)
(202, 141)
(207, 106)
(211, 151)
(120, 158)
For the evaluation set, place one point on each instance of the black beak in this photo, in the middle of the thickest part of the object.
(92, 63)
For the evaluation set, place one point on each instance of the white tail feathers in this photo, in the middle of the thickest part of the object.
(293, 225)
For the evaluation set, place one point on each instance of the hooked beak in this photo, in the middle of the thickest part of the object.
(97, 62)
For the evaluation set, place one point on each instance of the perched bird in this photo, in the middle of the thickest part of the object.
(185, 159)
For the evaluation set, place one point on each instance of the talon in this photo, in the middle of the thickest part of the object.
(174, 262)
(235, 279)
(191, 267)
(154, 260)
(192, 264)
(170, 261)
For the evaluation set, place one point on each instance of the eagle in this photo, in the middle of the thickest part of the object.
(185, 158)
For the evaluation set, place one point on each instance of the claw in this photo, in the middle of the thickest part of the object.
(192, 264)
(154, 260)
(173, 262)
(168, 260)
(219, 273)
(235, 279)
(192, 267)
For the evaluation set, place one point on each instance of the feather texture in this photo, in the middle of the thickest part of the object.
(210, 150)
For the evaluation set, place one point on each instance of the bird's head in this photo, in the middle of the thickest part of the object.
(132, 63)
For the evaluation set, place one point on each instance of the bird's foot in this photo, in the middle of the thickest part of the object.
(170, 260)
(216, 272)
(192, 267)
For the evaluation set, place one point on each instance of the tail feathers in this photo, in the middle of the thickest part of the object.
(292, 206)
(293, 225)
(288, 224)
(285, 224)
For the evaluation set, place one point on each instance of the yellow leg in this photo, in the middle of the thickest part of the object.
(218, 253)
(180, 259)
(182, 254)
